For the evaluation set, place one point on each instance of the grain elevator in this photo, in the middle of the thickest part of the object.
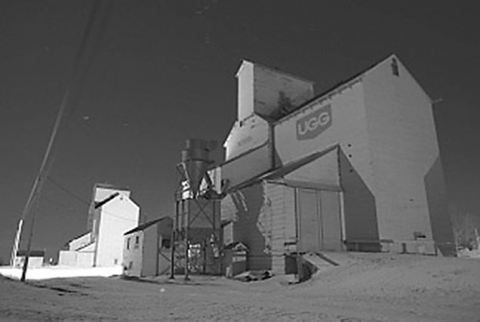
(354, 168)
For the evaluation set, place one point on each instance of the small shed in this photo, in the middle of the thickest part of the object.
(235, 258)
(146, 249)
(36, 258)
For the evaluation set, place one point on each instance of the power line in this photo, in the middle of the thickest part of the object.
(68, 191)
(72, 194)
(71, 92)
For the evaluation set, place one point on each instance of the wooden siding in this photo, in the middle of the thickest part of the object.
(283, 233)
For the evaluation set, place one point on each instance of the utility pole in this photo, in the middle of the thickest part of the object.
(77, 78)
(13, 257)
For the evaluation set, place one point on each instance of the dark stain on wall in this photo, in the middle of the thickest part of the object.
(248, 203)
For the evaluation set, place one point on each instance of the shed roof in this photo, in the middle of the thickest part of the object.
(335, 87)
(285, 169)
(33, 253)
(163, 220)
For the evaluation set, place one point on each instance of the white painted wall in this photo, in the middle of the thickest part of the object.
(151, 244)
(322, 171)
(403, 145)
(348, 128)
(117, 217)
(246, 135)
(76, 258)
(80, 241)
(33, 261)
(133, 254)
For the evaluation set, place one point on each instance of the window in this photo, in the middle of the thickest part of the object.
(130, 265)
(395, 70)
(137, 241)
(166, 243)
(128, 243)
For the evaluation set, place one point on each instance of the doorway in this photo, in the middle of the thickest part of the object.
(318, 220)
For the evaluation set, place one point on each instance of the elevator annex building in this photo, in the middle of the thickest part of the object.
(354, 168)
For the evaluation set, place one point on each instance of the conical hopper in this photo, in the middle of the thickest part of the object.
(194, 172)
(194, 163)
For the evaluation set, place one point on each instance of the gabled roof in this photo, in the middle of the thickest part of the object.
(98, 204)
(105, 185)
(335, 87)
(275, 70)
(79, 236)
(164, 220)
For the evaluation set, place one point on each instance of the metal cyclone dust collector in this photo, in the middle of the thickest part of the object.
(193, 166)
(194, 162)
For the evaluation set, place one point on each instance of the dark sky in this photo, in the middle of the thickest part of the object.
(164, 71)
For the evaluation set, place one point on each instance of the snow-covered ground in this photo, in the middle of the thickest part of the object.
(365, 287)
(49, 272)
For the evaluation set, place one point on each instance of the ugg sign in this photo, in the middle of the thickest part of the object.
(314, 123)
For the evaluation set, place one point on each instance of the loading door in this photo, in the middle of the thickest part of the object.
(318, 218)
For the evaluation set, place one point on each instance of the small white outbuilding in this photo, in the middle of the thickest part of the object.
(146, 248)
